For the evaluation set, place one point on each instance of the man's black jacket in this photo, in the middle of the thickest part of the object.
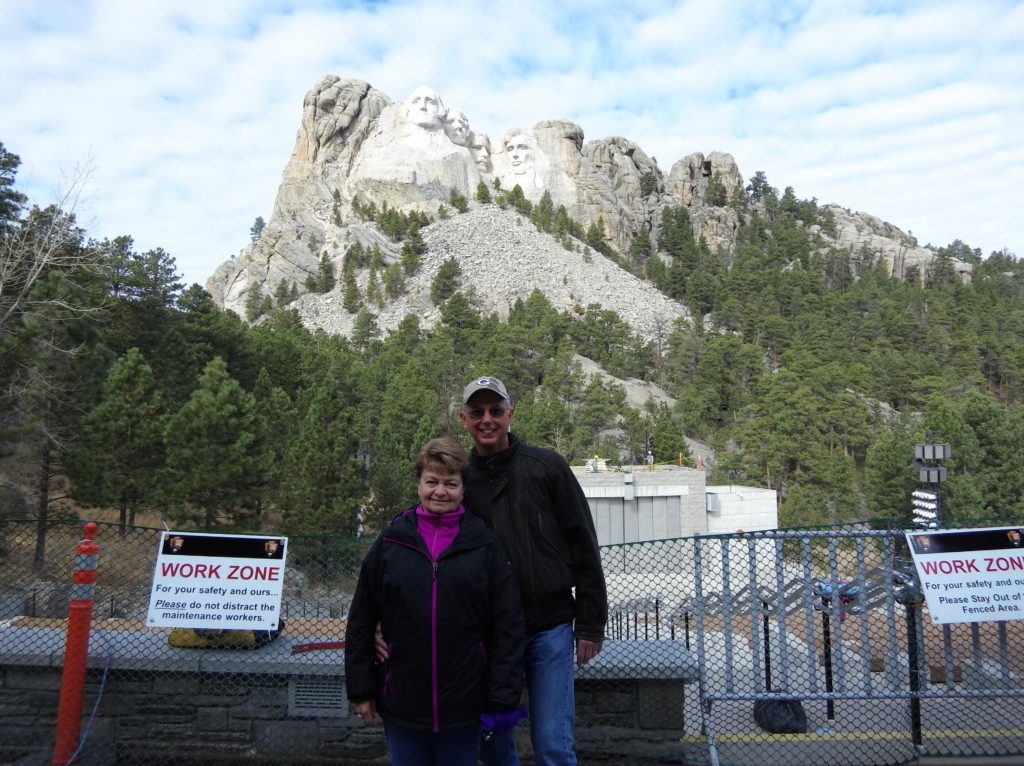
(534, 503)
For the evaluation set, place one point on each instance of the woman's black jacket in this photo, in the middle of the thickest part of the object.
(454, 628)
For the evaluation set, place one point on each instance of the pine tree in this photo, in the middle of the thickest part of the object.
(364, 328)
(446, 281)
(257, 228)
(118, 459)
(11, 202)
(667, 442)
(278, 411)
(394, 282)
(253, 302)
(595, 236)
(544, 212)
(889, 475)
(217, 459)
(640, 249)
(458, 201)
(351, 298)
(716, 195)
(51, 368)
(322, 488)
(281, 294)
(407, 418)
(325, 280)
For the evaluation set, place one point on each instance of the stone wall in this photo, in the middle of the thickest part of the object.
(147, 717)
(272, 707)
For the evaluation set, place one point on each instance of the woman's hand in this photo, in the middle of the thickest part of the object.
(368, 712)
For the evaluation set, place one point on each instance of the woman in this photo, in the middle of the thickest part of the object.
(441, 588)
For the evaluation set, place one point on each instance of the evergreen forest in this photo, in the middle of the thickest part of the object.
(812, 372)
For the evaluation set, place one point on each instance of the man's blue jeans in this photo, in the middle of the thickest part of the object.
(549, 678)
(416, 747)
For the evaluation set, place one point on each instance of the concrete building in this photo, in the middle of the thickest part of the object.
(663, 503)
(732, 508)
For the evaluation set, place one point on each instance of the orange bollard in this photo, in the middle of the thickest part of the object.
(76, 649)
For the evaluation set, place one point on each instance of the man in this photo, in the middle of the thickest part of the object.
(480, 148)
(425, 108)
(532, 500)
(456, 127)
(520, 151)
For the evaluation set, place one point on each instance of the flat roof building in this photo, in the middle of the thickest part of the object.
(662, 503)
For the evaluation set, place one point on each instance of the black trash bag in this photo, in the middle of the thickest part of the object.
(781, 716)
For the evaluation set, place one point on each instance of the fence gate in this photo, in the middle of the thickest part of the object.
(816, 648)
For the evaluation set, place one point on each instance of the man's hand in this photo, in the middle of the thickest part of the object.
(587, 650)
(381, 646)
(368, 712)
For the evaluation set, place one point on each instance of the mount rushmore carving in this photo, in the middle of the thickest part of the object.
(356, 143)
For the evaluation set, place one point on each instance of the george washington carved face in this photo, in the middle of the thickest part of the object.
(424, 108)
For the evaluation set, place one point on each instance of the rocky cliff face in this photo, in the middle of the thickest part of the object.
(355, 142)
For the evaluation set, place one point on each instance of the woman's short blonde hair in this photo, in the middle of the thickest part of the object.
(444, 454)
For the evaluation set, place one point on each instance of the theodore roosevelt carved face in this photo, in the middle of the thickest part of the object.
(480, 146)
(424, 108)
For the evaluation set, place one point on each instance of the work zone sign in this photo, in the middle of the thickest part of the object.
(217, 581)
(971, 575)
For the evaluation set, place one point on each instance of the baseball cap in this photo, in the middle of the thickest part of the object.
(484, 384)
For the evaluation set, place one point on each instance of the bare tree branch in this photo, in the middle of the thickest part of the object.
(44, 241)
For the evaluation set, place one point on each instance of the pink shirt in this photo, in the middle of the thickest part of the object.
(438, 529)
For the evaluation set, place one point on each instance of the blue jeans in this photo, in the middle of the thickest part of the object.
(549, 679)
(419, 747)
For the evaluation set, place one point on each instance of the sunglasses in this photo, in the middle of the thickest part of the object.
(478, 412)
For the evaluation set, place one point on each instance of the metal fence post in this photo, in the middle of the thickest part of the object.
(826, 639)
(909, 594)
(76, 649)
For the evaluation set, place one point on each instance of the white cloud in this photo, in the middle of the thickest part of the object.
(908, 110)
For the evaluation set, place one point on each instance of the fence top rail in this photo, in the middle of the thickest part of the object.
(806, 533)
(769, 534)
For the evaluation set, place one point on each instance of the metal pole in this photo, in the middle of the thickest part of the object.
(830, 705)
(913, 658)
(767, 651)
(76, 649)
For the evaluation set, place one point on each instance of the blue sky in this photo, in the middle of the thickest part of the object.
(186, 112)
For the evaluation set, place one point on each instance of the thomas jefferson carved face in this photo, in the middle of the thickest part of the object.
(456, 127)
(424, 108)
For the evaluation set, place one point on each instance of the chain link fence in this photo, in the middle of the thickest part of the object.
(702, 633)
(816, 647)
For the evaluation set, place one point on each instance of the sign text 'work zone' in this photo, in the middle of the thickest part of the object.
(217, 581)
